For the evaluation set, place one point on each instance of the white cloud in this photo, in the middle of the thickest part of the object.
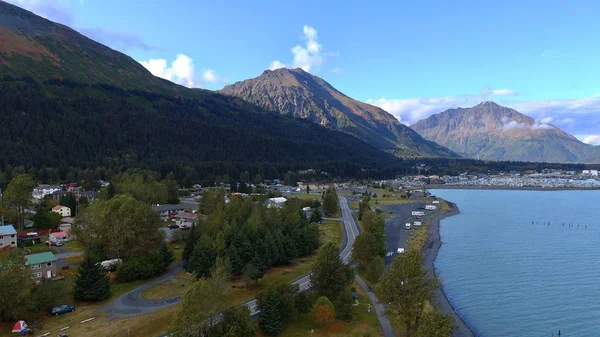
(512, 125)
(276, 65)
(308, 56)
(592, 139)
(181, 71)
(337, 70)
(504, 92)
(210, 76)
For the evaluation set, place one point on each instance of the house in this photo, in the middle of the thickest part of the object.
(66, 224)
(43, 265)
(62, 210)
(185, 219)
(275, 202)
(168, 211)
(8, 237)
(57, 237)
(41, 191)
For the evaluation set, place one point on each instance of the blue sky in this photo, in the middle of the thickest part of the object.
(411, 58)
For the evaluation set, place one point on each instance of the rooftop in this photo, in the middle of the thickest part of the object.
(7, 230)
(40, 258)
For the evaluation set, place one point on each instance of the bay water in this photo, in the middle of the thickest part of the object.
(523, 263)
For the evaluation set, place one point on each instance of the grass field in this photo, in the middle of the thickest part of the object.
(169, 288)
(364, 323)
(40, 248)
(74, 246)
(304, 196)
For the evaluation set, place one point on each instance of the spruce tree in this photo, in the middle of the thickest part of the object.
(91, 283)
(269, 319)
(203, 257)
(167, 255)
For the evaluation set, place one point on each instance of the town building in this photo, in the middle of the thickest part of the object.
(185, 219)
(275, 202)
(43, 265)
(58, 237)
(62, 210)
(8, 237)
(41, 191)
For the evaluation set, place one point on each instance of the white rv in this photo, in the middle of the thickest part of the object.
(435, 202)
(418, 214)
(431, 207)
(417, 223)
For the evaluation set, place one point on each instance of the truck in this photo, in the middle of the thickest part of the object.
(407, 225)
(418, 214)
(431, 207)
(400, 250)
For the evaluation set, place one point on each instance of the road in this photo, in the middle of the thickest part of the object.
(397, 235)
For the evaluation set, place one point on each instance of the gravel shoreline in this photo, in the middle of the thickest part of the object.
(430, 253)
(508, 188)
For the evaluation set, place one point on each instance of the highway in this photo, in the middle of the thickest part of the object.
(351, 231)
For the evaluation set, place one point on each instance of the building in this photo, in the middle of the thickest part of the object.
(66, 224)
(62, 210)
(8, 237)
(57, 237)
(43, 265)
(168, 211)
(185, 219)
(41, 191)
(275, 202)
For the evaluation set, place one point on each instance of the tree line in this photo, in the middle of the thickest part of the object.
(250, 236)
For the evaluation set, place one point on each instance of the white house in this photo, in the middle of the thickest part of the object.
(275, 202)
(43, 190)
(185, 219)
(8, 237)
(62, 210)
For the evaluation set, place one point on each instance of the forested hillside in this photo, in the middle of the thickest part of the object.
(70, 126)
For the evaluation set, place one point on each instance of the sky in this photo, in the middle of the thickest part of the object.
(412, 58)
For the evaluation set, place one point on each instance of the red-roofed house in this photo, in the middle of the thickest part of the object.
(58, 237)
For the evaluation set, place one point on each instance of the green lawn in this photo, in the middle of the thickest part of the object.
(40, 248)
(304, 196)
(74, 246)
(168, 288)
(364, 323)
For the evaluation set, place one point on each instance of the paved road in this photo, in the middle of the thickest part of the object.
(68, 255)
(397, 235)
(132, 303)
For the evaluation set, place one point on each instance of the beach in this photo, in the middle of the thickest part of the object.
(507, 188)
(429, 254)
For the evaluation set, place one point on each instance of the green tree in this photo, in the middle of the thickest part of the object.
(329, 275)
(251, 273)
(201, 303)
(330, 203)
(45, 219)
(121, 227)
(406, 289)
(236, 323)
(371, 242)
(375, 269)
(363, 205)
(434, 323)
(315, 217)
(91, 283)
(269, 318)
(18, 195)
(49, 293)
(16, 284)
(166, 254)
(70, 201)
(203, 257)
(324, 312)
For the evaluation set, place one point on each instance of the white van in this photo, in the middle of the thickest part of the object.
(400, 250)
(407, 225)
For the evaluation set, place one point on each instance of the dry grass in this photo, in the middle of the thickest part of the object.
(168, 288)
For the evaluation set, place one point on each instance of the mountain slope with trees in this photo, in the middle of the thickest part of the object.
(489, 131)
(68, 103)
(297, 93)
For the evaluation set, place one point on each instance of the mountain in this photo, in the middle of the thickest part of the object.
(493, 132)
(297, 93)
(70, 105)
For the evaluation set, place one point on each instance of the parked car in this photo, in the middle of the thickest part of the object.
(185, 228)
(63, 335)
(62, 309)
(172, 226)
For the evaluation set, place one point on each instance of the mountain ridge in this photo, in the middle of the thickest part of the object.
(492, 132)
(302, 95)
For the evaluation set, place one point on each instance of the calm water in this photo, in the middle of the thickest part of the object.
(508, 277)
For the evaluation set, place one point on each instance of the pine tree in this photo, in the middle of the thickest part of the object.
(237, 265)
(91, 283)
(269, 319)
(190, 243)
(167, 255)
(203, 257)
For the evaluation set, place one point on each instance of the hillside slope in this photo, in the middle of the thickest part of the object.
(493, 132)
(302, 95)
(69, 103)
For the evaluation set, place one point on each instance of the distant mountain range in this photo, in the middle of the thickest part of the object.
(297, 93)
(68, 103)
(489, 131)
